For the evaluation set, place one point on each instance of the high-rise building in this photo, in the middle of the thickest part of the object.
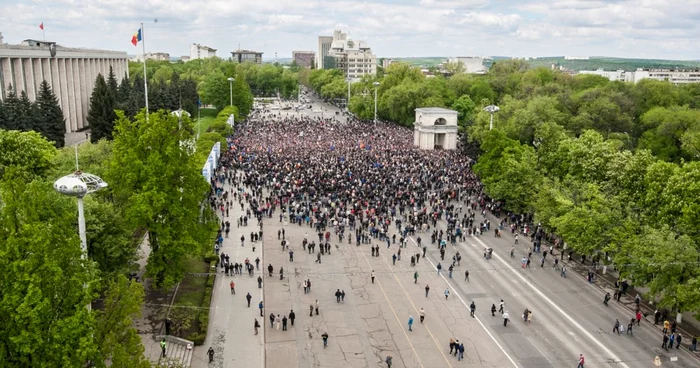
(323, 60)
(198, 51)
(304, 58)
(387, 62)
(354, 58)
(71, 73)
(246, 56)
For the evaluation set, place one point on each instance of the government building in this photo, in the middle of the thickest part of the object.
(71, 73)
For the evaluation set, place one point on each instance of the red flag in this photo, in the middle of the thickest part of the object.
(41, 26)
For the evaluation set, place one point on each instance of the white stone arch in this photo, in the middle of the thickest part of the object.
(435, 128)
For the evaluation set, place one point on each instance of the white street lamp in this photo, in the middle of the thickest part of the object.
(491, 109)
(230, 87)
(79, 184)
(375, 84)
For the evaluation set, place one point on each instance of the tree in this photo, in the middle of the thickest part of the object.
(45, 284)
(26, 152)
(102, 113)
(112, 81)
(242, 97)
(16, 114)
(158, 182)
(116, 337)
(454, 67)
(466, 110)
(50, 116)
(215, 90)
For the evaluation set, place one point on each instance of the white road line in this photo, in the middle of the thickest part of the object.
(558, 309)
(541, 352)
(466, 306)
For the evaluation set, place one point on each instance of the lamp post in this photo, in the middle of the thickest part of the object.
(230, 87)
(375, 84)
(347, 103)
(79, 184)
(491, 109)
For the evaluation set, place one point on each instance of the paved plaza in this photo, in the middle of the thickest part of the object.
(372, 321)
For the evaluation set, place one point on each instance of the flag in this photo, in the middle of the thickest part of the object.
(136, 37)
(41, 26)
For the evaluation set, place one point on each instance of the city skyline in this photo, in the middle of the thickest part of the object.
(420, 28)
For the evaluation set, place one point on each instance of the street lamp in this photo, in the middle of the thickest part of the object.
(491, 109)
(79, 184)
(230, 87)
(375, 84)
(347, 103)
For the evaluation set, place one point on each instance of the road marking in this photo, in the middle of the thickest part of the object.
(440, 349)
(466, 306)
(541, 352)
(395, 315)
(558, 309)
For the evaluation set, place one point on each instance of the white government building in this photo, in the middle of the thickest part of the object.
(71, 73)
(472, 64)
(198, 51)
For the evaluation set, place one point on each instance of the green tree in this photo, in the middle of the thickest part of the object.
(466, 110)
(112, 83)
(17, 114)
(27, 153)
(101, 115)
(242, 97)
(116, 337)
(49, 116)
(124, 100)
(45, 284)
(151, 170)
(454, 67)
(215, 90)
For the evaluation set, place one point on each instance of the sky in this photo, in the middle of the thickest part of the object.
(659, 29)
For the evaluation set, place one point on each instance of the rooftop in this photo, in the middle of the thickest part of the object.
(239, 51)
(435, 110)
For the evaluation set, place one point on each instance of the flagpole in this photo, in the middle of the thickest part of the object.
(145, 75)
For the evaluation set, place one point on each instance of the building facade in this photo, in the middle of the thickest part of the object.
(246, 56)
(304, 58)
(323, 59)
(674, 76)
(472, 64)
(71, 73)
(157, 56)
(387, 62)
(198, 51)
(354, 58)
(435, 128)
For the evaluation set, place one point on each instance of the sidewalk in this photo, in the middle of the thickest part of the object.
(689, 326)
(230, 332)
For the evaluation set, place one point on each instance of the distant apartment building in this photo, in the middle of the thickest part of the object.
(323, 59)
(472, 64)
(246, 56)
(675, 76)
(185, 58)
(387, 62)
(158, 56)
(304, 58)
(198, 51)
(354, 58)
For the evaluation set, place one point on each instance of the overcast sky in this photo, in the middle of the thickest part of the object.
(665, 29)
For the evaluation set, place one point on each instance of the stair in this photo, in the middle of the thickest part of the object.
(178, 353)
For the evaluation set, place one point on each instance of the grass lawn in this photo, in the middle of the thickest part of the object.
(191, 290)
(208, 116)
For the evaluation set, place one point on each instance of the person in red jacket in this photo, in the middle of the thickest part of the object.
(581, 361)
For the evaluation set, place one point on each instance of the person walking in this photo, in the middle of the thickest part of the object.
(256, 326)
(421, 314)
(284, 323)
(311, 310)
(372, 276)
(493, 310)
(278, 322)
(679, 338)
(233, 287)
(505, 318)
(415, 277)
(163, 348)
(260, 306)
(466, 275)
(439, 268)
(248, 297)
(671, 340)
(664, 344)
(452, 344)
(324, 336)
(581, 361)
(292, 316)
(410, 323)
(460, 354)
(427, 289)
(616, 327)
(388, 360)
(260, 282)
(693, 344)
(337, 296)
(210, 353)
(563, 271)
(501, 306)
(472, 309)
(316, 307)
(447, 294)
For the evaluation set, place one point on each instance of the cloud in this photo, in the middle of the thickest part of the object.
(666, 28)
